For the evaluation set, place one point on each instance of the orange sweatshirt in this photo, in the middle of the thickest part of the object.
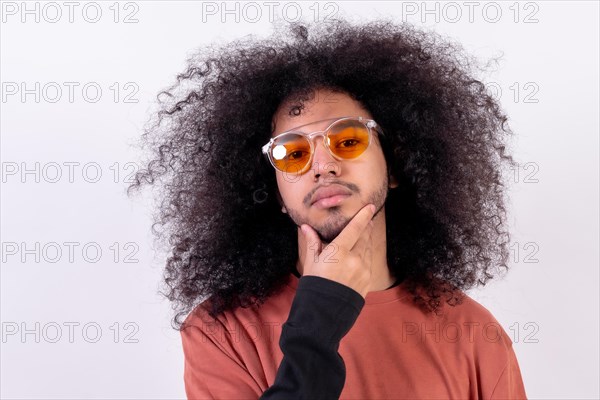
(392, 349)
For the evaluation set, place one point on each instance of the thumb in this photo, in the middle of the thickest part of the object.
(313, 243)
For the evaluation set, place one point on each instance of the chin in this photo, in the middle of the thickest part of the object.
(330, 229)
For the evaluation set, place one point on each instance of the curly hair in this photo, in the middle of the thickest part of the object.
(444, 144)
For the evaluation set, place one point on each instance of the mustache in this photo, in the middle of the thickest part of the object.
(352, 187)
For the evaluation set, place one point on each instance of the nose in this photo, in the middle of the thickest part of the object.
(323, 162)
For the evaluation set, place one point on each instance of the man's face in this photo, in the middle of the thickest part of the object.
(364, 178)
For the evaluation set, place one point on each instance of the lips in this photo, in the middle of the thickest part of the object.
(329, 191)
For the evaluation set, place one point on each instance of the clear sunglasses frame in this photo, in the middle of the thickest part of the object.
(369, 123)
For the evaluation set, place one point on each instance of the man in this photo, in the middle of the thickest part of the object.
(318, 294)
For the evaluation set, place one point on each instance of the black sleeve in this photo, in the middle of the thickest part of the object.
(322, 313)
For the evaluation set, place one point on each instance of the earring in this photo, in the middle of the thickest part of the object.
(283, 210)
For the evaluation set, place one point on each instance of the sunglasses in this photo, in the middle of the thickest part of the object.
(346, 138)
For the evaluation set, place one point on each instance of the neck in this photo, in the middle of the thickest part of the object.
(381, 278)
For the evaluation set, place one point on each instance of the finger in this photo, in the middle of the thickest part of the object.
(349, 236)
(363, 241)
(313, 243)
(369, 253)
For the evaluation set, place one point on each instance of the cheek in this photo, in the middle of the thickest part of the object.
(289, 187)
(295, 189)
(374, 167)
(379, 163)
(371, 175)
(281, 186)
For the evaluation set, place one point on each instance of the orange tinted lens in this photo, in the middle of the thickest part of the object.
(348, 138)
(291, 153)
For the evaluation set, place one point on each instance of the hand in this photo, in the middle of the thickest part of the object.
(348, 258)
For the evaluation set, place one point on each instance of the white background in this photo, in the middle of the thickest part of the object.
(548, 303)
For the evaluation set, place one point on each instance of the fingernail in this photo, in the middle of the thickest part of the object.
(372, 208)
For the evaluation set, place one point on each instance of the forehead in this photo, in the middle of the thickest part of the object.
(323, 105)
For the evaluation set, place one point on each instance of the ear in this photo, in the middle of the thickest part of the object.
(393, 182)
